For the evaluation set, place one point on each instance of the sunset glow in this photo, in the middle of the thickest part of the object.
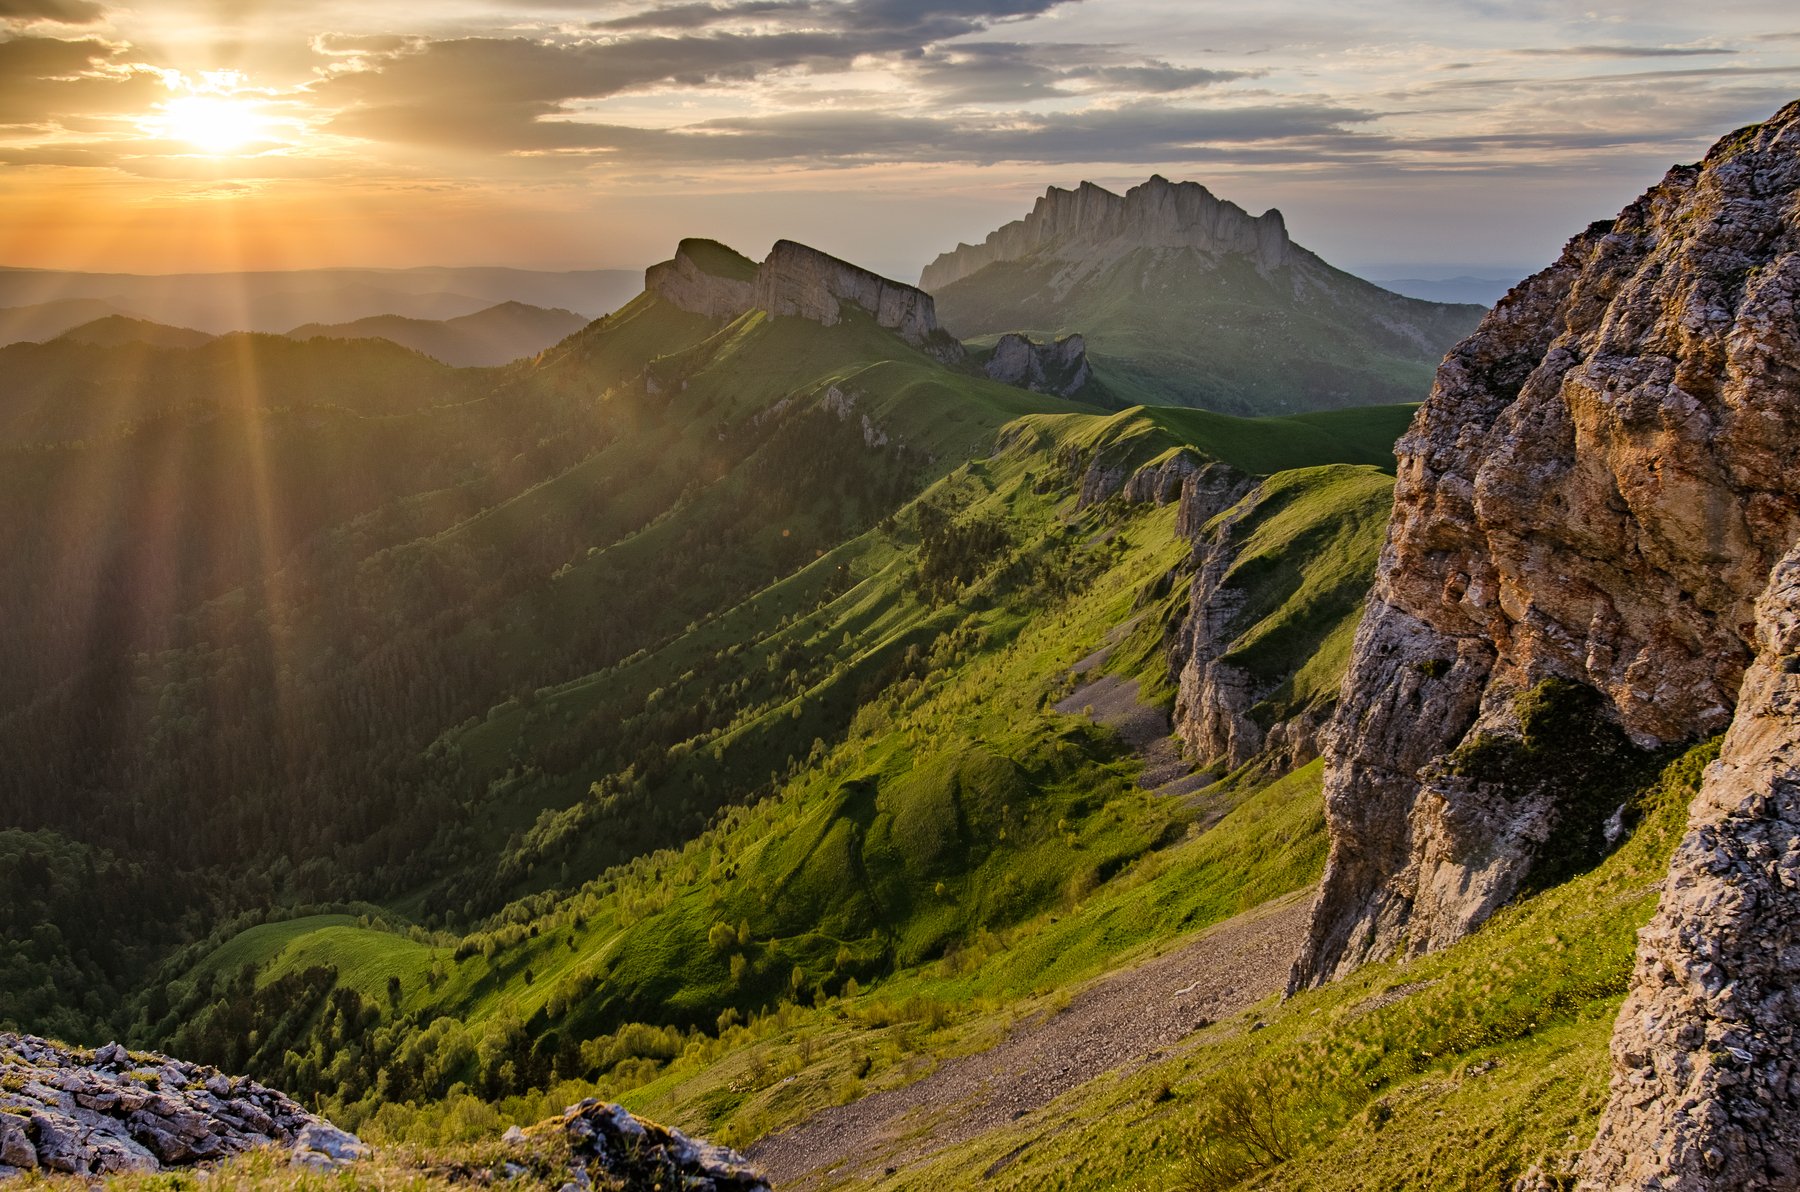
(213, 124)
(539, 133)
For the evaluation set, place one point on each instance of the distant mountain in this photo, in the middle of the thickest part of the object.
(47, 320)
(498, 335)
(1187, 299)
(113, 330)
(276, 301)
(1483, 291)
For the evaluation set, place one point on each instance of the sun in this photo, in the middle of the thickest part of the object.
(214, 124)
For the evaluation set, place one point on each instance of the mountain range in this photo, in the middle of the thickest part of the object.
(33, 302)
(1186, 299)
(807, 708)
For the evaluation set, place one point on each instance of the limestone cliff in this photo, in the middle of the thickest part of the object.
(1706, 1051)
(1091, 226)
(709, 279)
(1594, 494)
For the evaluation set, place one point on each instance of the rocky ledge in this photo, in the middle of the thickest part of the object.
(80, 1112)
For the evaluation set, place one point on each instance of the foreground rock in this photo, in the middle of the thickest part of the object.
(609, 1147)
(81, 1112)
(1706, 1063)
(1587, 508)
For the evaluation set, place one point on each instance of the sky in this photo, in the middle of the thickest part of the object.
(1401, 136)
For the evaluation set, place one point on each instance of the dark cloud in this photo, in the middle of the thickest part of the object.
(674, 17)
(1131, 133)
(1009, 72)
(62, 12)
(921, 21)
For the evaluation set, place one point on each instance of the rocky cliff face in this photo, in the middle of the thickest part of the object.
(709, 279)
(696, 281)
(68, 1111)
(1281, 569)
(1706, 1052)
(1060, 367)
(1593, 495)
(1093, 226)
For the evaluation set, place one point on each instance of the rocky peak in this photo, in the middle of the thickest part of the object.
(1594, 496)
(1092, 225)
(709, 279)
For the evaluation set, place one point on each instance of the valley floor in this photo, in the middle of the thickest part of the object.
(1122, 1020)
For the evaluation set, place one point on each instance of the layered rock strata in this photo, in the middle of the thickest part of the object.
(1706, 1051)
(1594, 494)
(74, 1112)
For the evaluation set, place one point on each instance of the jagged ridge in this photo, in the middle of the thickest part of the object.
(1092, 226)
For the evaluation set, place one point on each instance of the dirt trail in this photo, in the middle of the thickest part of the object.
(1119, 1020)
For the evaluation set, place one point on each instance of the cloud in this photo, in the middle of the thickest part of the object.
(920, 20)
(1011, 72)
(1617, 51)
(347, 44)
(61, 12)
(44, 78)
(1141, 133)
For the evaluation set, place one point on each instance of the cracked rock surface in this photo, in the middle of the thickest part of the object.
(1706, 1063)
(83, 1112)
(1595, 492)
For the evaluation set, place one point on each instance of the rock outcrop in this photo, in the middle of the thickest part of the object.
(1060, 367)
(64, 1110)
(1252, 680)
(1093, 226)
(1593, 496)
(608, 1147)
(705, 278)
(709, 279)
(1706, 1051)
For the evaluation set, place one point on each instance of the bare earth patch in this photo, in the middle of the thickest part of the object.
(1117, 1021)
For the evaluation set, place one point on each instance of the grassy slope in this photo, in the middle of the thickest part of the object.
(1163, 328)
(958, 811)
(1458, 1070)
